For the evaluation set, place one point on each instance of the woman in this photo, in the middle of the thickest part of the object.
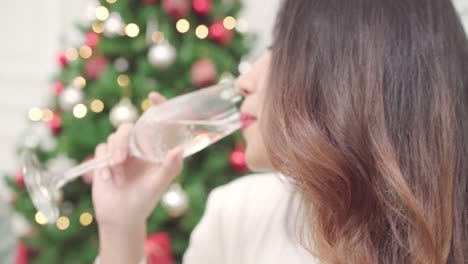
(363, 106)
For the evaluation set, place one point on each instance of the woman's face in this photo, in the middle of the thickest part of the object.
(252, 85)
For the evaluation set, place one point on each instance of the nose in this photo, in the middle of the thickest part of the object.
(245, 84)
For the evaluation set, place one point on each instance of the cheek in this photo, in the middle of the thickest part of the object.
(255, 153)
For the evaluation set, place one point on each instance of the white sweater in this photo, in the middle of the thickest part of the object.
(249, 221)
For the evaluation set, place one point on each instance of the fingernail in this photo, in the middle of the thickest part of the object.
(105, 174)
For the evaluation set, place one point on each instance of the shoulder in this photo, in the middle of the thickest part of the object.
(256, 193)
(240, 218)
(253, 206)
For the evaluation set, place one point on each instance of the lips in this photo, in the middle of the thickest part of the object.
(247, 120)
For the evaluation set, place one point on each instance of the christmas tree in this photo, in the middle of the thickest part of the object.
(131, 48)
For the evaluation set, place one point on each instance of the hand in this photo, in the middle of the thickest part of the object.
(127, 190)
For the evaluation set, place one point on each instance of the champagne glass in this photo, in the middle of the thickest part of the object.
(193, 121)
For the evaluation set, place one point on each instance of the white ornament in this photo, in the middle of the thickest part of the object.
(60, 164)
(162, 55)
(20, 225)
(123, 112)
(70, 97)
(114, 25)
(175, 201)
(226, 77)
(121, 64)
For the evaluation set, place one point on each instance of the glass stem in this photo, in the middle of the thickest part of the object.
(81, 169)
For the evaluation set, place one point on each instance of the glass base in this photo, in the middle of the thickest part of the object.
(40, 187)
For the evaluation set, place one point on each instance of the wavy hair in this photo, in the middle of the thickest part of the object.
(367, 112)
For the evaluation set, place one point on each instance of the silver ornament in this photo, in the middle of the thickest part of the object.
(48, 143)
(121, 64)
(70, 97)
(123, 112)
(244, 66)
(114, 25)
(175, 201)
(33, 135)
(39, 135)
(60, 164)
(163, 55)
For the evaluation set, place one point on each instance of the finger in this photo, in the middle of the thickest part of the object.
(169, 169)
(156, 98)
(119, 144)
(103, 172)
(119, 149)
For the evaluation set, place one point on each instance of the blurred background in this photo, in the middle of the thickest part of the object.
(72, 71)
(47, 45)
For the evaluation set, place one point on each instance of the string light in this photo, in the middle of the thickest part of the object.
(86, 219)
(157, 37)
(86, 52)
(35, 114)
(63, 223)
(102, 13)
(80, 111)
(145, 104)
(183, 25)
(201, 32)
(229, 22)
(40, 218)
(97, 106)
(79, 82)
(71, 54)
(47, 115)
(111, 1)
(97, 27)
(132, 30)
(123, 80)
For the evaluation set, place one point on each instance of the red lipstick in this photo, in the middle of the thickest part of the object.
(247, 120)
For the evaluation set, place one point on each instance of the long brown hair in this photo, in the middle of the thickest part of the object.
(367, 111)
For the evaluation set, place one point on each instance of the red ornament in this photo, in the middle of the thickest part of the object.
(19, 180)
(202, 7)
(176, 8)
(203, 72)
(92, 39)
(55, 124)
(58, 88)
(94, 67)
(219, 33)
(158, 249)
(88, 177)
(62, 59)
(21, 254)
(237, 160)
